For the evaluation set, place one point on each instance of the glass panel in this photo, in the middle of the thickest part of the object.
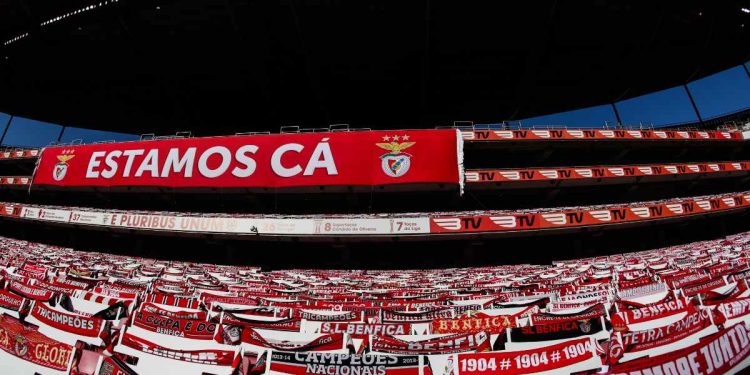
(722, 93)
(591, 117)
(666, 107)
(26, 132)
(90, 136)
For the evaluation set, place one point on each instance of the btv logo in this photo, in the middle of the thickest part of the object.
(61, 168)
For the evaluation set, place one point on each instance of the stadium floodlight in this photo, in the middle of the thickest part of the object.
(746, 10)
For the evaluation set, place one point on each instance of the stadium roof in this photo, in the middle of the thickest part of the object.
(217, 67)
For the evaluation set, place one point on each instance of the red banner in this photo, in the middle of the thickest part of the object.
(279, 160)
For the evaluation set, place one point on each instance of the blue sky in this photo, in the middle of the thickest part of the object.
(715, 95)
(28, 132)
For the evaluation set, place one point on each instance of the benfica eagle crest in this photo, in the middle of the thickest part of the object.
(61, 168)
(396, 162)
(20, 346)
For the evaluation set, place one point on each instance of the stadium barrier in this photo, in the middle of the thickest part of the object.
(384, 224)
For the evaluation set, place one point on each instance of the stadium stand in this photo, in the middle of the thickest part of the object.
(374, 188)
(682, 307)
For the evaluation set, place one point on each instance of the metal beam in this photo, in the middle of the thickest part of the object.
(617, 114)
(59, 137)
(692, 101)
(7, 125)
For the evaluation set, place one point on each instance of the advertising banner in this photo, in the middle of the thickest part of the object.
(600, 134)
(260, 161)
(579, 173)
(510, 221)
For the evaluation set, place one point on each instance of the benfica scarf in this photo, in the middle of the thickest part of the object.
(115, 293)
(184, 301)
(713, 297)
(704, 287)
(719, 353)
(288, 324)
(622, 319)
(736, 308)
(345, 364)
(364, 329)
(557, 331)
(257, 311)
(475, 323)
(637, 341)
(188, 328)
(57, 288)
(114, 366)
(394, 316)
(179, 314)
(326, 342)
(630, 305)
(30, 345)
(10, 301)
(116, 311)
(77, 324)
(209, 299)
(30, 291)
(627, 284)
(547, 318)
(74, 281)
(347, 316)
(460, 343)
(573, 356)
(214, 357)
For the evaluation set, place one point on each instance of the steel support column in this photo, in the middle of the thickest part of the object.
(692, 101)
(617, 114)
(7, 125)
